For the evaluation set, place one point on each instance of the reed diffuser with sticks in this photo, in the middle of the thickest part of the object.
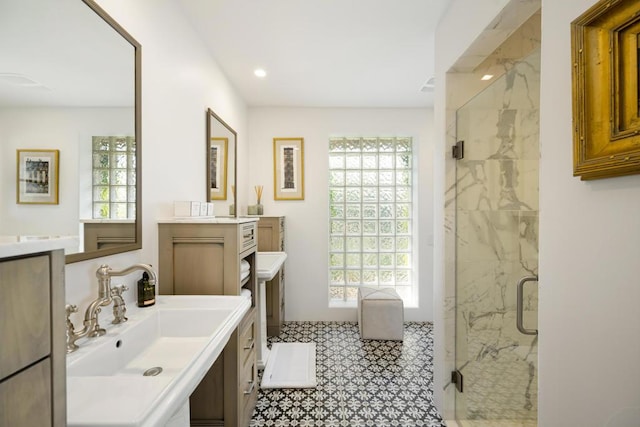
(259, 189)
(257, 208)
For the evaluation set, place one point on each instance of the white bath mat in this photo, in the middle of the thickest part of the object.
(290, 365)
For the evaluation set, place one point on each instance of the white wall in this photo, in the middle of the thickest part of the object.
(180, 80)
(589, 250)
(307, 221)
(589, 322)
(68, 130)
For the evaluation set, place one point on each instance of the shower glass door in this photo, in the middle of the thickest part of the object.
(496, 245)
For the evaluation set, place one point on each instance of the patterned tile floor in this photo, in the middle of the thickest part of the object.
(360, 383)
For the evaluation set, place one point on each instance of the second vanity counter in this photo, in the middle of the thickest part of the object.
(183, 335)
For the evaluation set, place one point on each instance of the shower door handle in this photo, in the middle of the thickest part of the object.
(520, 305)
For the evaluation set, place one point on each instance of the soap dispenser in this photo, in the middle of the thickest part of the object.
(146, 291)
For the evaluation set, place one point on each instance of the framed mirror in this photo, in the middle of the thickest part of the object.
(70, 83)
(222, 168)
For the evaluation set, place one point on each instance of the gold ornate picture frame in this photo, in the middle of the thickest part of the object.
(605, 43)
(37, 176)
(288, 168)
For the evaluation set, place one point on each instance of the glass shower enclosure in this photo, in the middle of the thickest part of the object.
(496, 246)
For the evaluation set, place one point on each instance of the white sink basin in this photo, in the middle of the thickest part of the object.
(268, 264)
(183, 335)
(166, 338)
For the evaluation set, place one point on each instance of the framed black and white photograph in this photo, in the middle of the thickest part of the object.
(288, 168)
(37, 177)
(218, 168)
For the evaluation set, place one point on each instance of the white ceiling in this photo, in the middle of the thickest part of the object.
(323, 53)
(62, 54)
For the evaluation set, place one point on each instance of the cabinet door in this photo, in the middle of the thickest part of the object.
(266, 236)
(198, 268)
(207, 402)
(25, 331)
(25, 398)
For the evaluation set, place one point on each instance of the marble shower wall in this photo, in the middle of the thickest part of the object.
(496, 243)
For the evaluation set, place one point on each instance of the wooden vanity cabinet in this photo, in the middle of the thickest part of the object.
(247, 366)
(204, 258)
(108, 234)
(271, 239)
(33, 355)
(227, 394)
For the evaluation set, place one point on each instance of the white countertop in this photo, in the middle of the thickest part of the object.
(11, 246)
(207, 220)
(107, 221)
(268, 264)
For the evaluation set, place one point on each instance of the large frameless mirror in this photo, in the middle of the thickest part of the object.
(70, 84)
(221, 166)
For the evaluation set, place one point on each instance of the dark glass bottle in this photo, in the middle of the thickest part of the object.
(146, 291)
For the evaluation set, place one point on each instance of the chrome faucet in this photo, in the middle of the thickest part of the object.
(106, 295)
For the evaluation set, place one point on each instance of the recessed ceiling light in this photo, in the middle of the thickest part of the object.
(259, 72)
(487, 77)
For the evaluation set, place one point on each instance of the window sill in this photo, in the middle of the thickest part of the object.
(343, 304)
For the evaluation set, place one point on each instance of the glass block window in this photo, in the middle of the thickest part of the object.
(370, 216)
(114, 177)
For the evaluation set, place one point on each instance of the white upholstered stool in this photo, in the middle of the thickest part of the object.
(380, 314)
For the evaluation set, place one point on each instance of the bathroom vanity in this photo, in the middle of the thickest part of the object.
(205, 257)
(32, 373)
(108, 233)
(141, 373)
(271, 239)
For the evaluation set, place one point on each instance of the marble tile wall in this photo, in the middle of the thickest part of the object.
(491, 216)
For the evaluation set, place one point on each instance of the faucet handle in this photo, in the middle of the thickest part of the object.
(119, 308)
(70, 308)
(118, 290)
(71, 342)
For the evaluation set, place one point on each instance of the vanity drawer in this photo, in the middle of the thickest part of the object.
(247, 337)
(248, 238)
(25, 314)
(25, 398)
(247, 367)
(248, 380)
(248, 392)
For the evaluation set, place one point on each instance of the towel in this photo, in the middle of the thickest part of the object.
(244, 275)
(244, 266)
(245, 293)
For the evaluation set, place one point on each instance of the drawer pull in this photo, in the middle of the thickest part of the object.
(249, 346)
(253, 385)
